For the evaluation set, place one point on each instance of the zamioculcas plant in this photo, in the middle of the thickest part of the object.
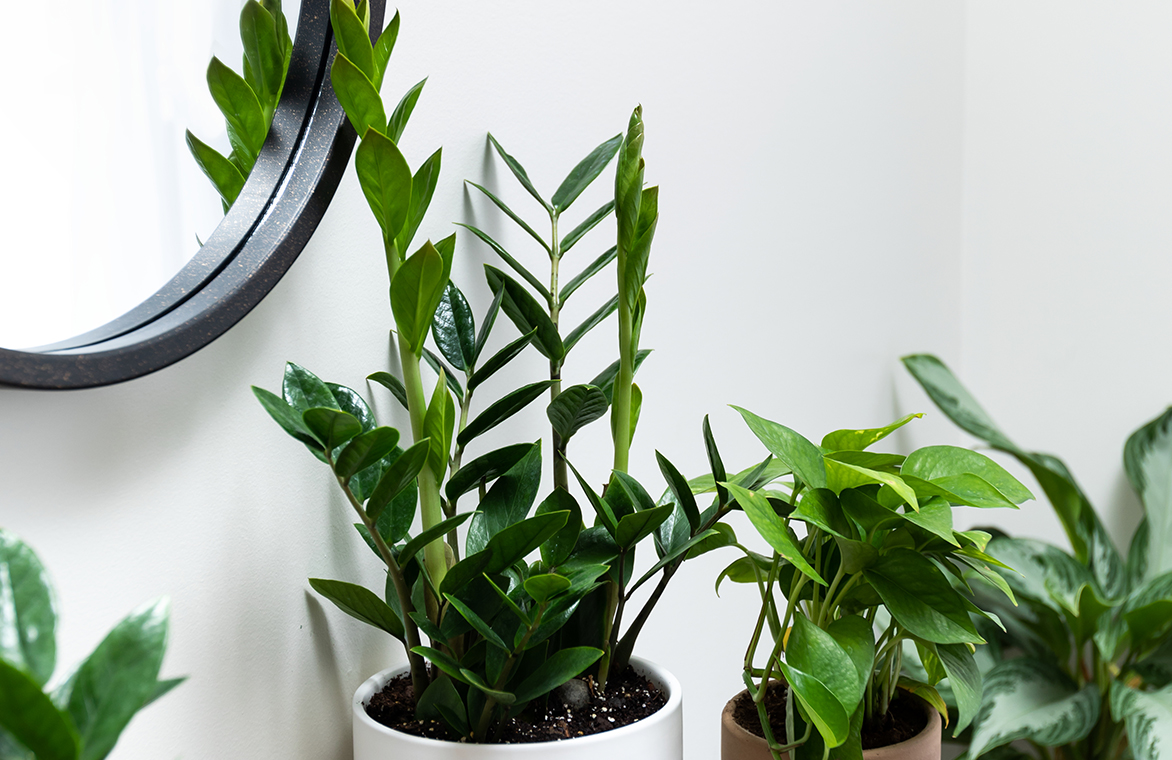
(247, 102)
(1092, 675)
(82, 718)
(880, 564)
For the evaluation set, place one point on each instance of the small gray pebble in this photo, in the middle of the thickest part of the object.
(572, 693)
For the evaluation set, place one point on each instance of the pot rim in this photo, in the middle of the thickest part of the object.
(933, 717)
(663, 678)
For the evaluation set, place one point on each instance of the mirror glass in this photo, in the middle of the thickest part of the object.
(103, 201)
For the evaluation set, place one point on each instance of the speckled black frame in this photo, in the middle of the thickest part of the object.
(294, 179)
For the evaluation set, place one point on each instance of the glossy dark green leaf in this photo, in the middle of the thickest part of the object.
(501, 410)
(31, 717)
(501, 697)
(558, 547)
(385, 46)
(28, 621)
(626, 495)
(856, 637)
(578, 233)
(591, 322)
(574, 408)
(422, 189)
(263, 48)
(679, 488)
(386, 182)
(224, 175)
(477, 622)
(508, 501)
(517, 541)
(118, 678)
(515, 265)
(801, 456)
(526, 313)
(1148, 612)
(352, 38)
(486, 467)
(556, 670)
(500, 358)
(585, 172)
(238, 103)
(822, 508)
(392, 384)
(365, 450)
(465, 571)
(605, 379)
(442, 661)
(349, 401)
(359, 98)
(511, 214)
(592, 269)
(394, 480)
(518, 172)
(442, 702)
(546, 586)
(287, 417)
(634, 527)
(330, 426)
(416, 544)
(416, 292)
(1024, 698)
(921, 599)
(360, 603)
(714, 462)
(869, 515)
(454, 328)
(302, 389)
(773, 529)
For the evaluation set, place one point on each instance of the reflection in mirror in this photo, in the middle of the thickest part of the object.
(104, 203)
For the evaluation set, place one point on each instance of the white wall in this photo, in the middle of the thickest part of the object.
(842, 183)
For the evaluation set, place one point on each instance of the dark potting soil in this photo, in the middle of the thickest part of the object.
(628, 699)
(904, 719)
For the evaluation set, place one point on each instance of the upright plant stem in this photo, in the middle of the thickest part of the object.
(429, 497)
(561, 478)
(621, 408)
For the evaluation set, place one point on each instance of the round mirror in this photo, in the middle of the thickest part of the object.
(120, 257)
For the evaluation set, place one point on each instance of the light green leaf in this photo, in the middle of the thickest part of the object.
(773, 529)
(813, 650)
(238, 103)
(801, 456)
(402, 112)
(935, 516)
(438, 424)
(824, 709)
(352, 38)
(263, 51)
(415, 293)
(1029, 699)
(934, 463)
(422, 189)
(841, 476)
(359, 97)
(224, 175)
(858, 440)
(555, 671)
(386, 181)
(384, 47)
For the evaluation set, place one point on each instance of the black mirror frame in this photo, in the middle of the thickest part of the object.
(284, 199)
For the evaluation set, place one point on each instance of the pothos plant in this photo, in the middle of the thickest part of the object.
(1087, 666)
(248, 102)
(494, 620)
(83, 716)
(879, 554)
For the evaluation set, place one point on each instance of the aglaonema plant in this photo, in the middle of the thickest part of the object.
(1087, 672)
(248, 102)
(84, 715)
(880, 564)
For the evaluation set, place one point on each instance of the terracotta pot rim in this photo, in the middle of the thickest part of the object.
(933, 717)
(658, 674)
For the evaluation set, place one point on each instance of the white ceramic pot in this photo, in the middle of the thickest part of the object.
(658, 737)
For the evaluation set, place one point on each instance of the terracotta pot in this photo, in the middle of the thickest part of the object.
(736, 743)
(658, 737)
